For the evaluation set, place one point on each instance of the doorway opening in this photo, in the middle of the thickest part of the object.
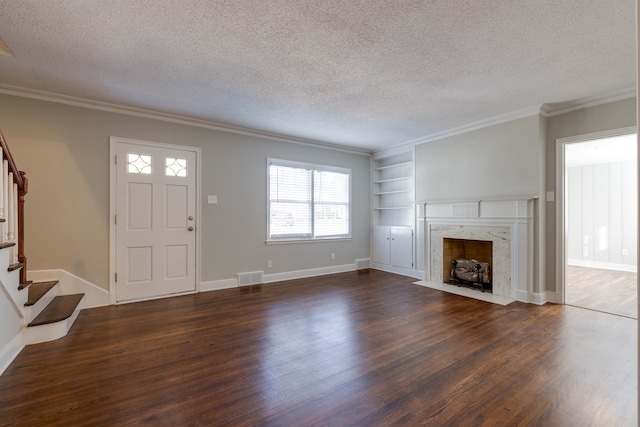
(600, 217)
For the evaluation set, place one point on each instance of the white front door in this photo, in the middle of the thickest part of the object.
(155, 221)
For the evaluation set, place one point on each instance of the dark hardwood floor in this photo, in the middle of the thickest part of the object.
(610, 291)
(352, 349)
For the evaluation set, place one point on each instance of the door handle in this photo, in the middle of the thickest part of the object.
(190, 228)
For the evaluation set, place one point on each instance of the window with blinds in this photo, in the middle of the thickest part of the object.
(308, 202)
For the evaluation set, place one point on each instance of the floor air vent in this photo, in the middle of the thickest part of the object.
(250, 278)
(362, 264)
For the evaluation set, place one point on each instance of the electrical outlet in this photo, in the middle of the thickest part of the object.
(333, 256)
(625, 252)
(212, 199)
(269, 264)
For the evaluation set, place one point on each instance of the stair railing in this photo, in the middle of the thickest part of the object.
(13, 189)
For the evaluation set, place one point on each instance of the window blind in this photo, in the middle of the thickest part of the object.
(308, 201)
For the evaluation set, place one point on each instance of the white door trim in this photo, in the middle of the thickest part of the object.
(113, 141)
(561, 250)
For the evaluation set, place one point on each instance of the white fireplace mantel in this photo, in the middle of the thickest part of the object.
(507, 222)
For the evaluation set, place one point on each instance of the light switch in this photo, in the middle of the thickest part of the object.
(551, 196)
(212, 200)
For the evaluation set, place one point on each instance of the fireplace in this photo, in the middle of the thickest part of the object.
(506, 229)
(467, 262)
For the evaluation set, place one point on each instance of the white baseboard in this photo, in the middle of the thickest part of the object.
(536, 298)
(215, 285)
(301, 274)
(603, 265)
(398, 270)
(549, 296)
(10, 352)
(94, 296)
(522, 296)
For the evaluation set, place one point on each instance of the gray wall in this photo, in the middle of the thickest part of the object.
(65, 152)
(496, 161)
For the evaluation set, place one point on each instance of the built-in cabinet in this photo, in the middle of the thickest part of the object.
(393, 246)
(393, 211)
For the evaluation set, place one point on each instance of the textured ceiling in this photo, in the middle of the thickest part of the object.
(366, 74)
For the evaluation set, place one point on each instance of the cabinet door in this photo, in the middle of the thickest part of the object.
(401, 247)
(380, 249)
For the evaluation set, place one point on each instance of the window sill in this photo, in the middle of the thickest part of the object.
(288, 241)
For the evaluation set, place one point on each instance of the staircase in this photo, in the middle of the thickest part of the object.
(45, 313)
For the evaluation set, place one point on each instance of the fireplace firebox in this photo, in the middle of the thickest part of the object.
(468, 263)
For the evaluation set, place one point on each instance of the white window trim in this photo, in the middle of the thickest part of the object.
(312, 166)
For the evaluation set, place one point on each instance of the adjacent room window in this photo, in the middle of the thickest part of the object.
(308, 202)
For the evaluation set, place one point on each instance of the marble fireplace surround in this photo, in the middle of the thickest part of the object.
(508, 223)
(501, 251)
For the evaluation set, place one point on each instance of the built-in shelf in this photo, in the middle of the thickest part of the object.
(393, 190)
(382, 193)
(395, 165)
(402, 178)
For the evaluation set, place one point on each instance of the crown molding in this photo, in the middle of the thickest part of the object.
(480, 124)
(545, 110)
(166, 117)
(390, 152)
(556, 109)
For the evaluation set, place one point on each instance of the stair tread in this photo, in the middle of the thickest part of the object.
(61, 308)
(38, 290)
(6, 245)
(16, 266)
(23, 285)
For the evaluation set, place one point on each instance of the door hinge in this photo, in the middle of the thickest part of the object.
(115, 159)
(116, 277)
(115, 219)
